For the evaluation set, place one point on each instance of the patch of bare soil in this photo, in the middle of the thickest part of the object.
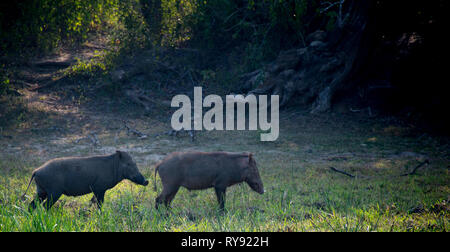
(38, 73)
(68, 128)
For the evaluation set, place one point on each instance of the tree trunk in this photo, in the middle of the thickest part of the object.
(311, 75)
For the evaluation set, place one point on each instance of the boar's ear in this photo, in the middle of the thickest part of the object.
(250, 157)
(119, 154)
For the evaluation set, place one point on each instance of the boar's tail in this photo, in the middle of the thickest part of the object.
(154, 184)
(29, 183)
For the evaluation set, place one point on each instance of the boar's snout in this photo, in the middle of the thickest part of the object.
(143, 182)
(256, 186)
(140, 180)
(252, 178)
(261, 190)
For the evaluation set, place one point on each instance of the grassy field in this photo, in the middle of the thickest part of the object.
(302, 193)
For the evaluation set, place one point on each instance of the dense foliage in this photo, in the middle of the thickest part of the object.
(212, 24)
(45, 24)
(232, 37)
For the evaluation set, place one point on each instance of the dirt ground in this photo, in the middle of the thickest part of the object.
(57, 124)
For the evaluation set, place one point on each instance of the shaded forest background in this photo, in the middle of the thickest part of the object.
(388, 53)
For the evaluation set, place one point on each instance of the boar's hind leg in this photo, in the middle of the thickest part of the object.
(52, 197)
(170, 197)
(41, 196)
(166, 195)
(220, 193)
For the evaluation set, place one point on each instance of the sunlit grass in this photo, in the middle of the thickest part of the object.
(298, 198)
(302, 193)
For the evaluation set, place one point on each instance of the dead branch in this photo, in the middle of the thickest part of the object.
(129, 131)
(94, 139)
(138, 97)
(22, 83)
(58, 64)
(176, 133)
(91, 137)
(134, 131)
(47, 84)
(342, 172)
(426, 162)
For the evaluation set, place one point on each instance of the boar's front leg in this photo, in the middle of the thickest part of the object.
(220, 193)
(93, 199)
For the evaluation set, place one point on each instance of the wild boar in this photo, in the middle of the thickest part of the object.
(201, 170)
(75, 176)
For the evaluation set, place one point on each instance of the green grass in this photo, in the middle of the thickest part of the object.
(298, 198)
(302, 193)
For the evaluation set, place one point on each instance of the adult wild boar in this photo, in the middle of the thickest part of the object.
(75, 176)
(201, 170)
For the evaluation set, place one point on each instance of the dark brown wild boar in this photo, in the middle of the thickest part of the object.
(75, 176)
(201, 170)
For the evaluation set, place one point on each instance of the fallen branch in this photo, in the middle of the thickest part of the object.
(48, 84)
(176, 133)
(58, 64)
(342, 172)
(426, 162)
(22, 83)
(134, 131)
(94, 139)
(90, 136)
(129, 130)
(138, 97)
